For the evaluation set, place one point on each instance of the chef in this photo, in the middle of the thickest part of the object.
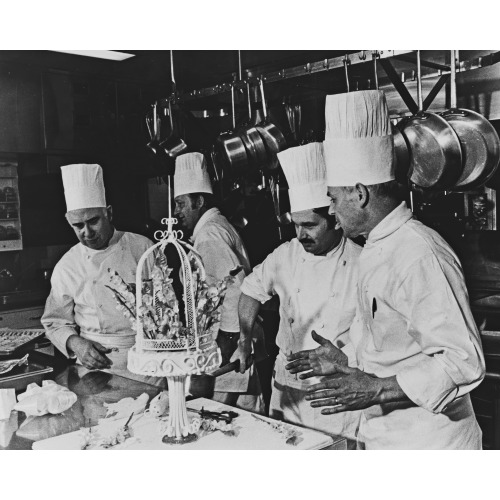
(314, 276)
(417, 347)
(221, 250)
(80, 317)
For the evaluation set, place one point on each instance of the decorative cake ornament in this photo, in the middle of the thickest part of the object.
(164, 346)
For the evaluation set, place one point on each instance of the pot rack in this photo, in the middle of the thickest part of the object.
(384, 57)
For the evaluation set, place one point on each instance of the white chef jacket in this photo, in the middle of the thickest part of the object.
(414, 321)
(221, 250)
(80, 302)
(316, 293)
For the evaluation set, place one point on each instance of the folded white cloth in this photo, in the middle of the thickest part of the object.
(7, 402)
(50, 398)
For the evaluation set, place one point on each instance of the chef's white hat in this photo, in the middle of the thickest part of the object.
(358, 143)
(83, 186)
(191, 175)
(305, 172)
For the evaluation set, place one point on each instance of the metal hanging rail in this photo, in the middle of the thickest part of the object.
(335, 63)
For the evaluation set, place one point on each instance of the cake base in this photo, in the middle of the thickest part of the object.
(174, 363)
(179, 440)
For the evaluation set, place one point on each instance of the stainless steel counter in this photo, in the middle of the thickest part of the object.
(93, 390)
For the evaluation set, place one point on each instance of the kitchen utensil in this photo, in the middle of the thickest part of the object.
(203, 385)
(229, 152)
(478, 139)
(225, 416)
(401, 152)
(173, 145)
(272, 136)
(153, 144)
(254, 145)
(435, 152)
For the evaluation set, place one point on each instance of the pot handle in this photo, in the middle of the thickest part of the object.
(453, 81)
(346, 59)
(232, 107)
(261, 85)
(233, 366)
(419, 83)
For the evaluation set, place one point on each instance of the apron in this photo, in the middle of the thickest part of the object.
(288, 403)
(120, 357)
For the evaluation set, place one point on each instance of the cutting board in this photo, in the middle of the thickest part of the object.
(251, 434)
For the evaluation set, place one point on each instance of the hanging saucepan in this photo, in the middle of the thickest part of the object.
(229, 154)
(153, 144)
(254, 145)
(479, 140)
(401, 156)
(272, 136)
(435, 152)
(173, 145)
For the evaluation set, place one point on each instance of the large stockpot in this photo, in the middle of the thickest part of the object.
(478, 139)
(435, 152)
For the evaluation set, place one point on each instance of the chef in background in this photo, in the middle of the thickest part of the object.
(80, 317)
(221, 250)
(417, 347)
(314, 276)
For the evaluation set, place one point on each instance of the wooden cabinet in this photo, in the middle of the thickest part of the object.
(79, 112)
(20, 111)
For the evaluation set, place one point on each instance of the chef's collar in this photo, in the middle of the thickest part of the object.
(209, 214)
(311, 257)
(113, 241)
(389, 224)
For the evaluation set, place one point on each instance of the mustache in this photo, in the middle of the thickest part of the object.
(306, 240)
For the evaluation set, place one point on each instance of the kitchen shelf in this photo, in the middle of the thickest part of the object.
(8, 182)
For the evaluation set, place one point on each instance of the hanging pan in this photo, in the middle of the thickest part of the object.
(272, 136)
(435, 152)
(173, 145)
(254, 145)
(478, 139)
(229, 153)
(401, 153)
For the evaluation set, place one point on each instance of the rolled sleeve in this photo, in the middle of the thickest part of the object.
(440, 321)
(259, 283)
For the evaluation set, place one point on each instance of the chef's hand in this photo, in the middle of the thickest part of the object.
(91, 354)
(353, 389)
(243, 353)
(317, 362)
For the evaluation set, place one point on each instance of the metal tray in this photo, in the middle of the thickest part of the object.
(14, 340)
(20, 376)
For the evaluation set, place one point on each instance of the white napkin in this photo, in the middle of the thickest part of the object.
(7, 402)
(50, 398)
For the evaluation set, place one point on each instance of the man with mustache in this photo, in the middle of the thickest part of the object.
(314, 276)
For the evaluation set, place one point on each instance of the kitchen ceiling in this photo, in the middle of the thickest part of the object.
(193, 68)
(197, 69)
